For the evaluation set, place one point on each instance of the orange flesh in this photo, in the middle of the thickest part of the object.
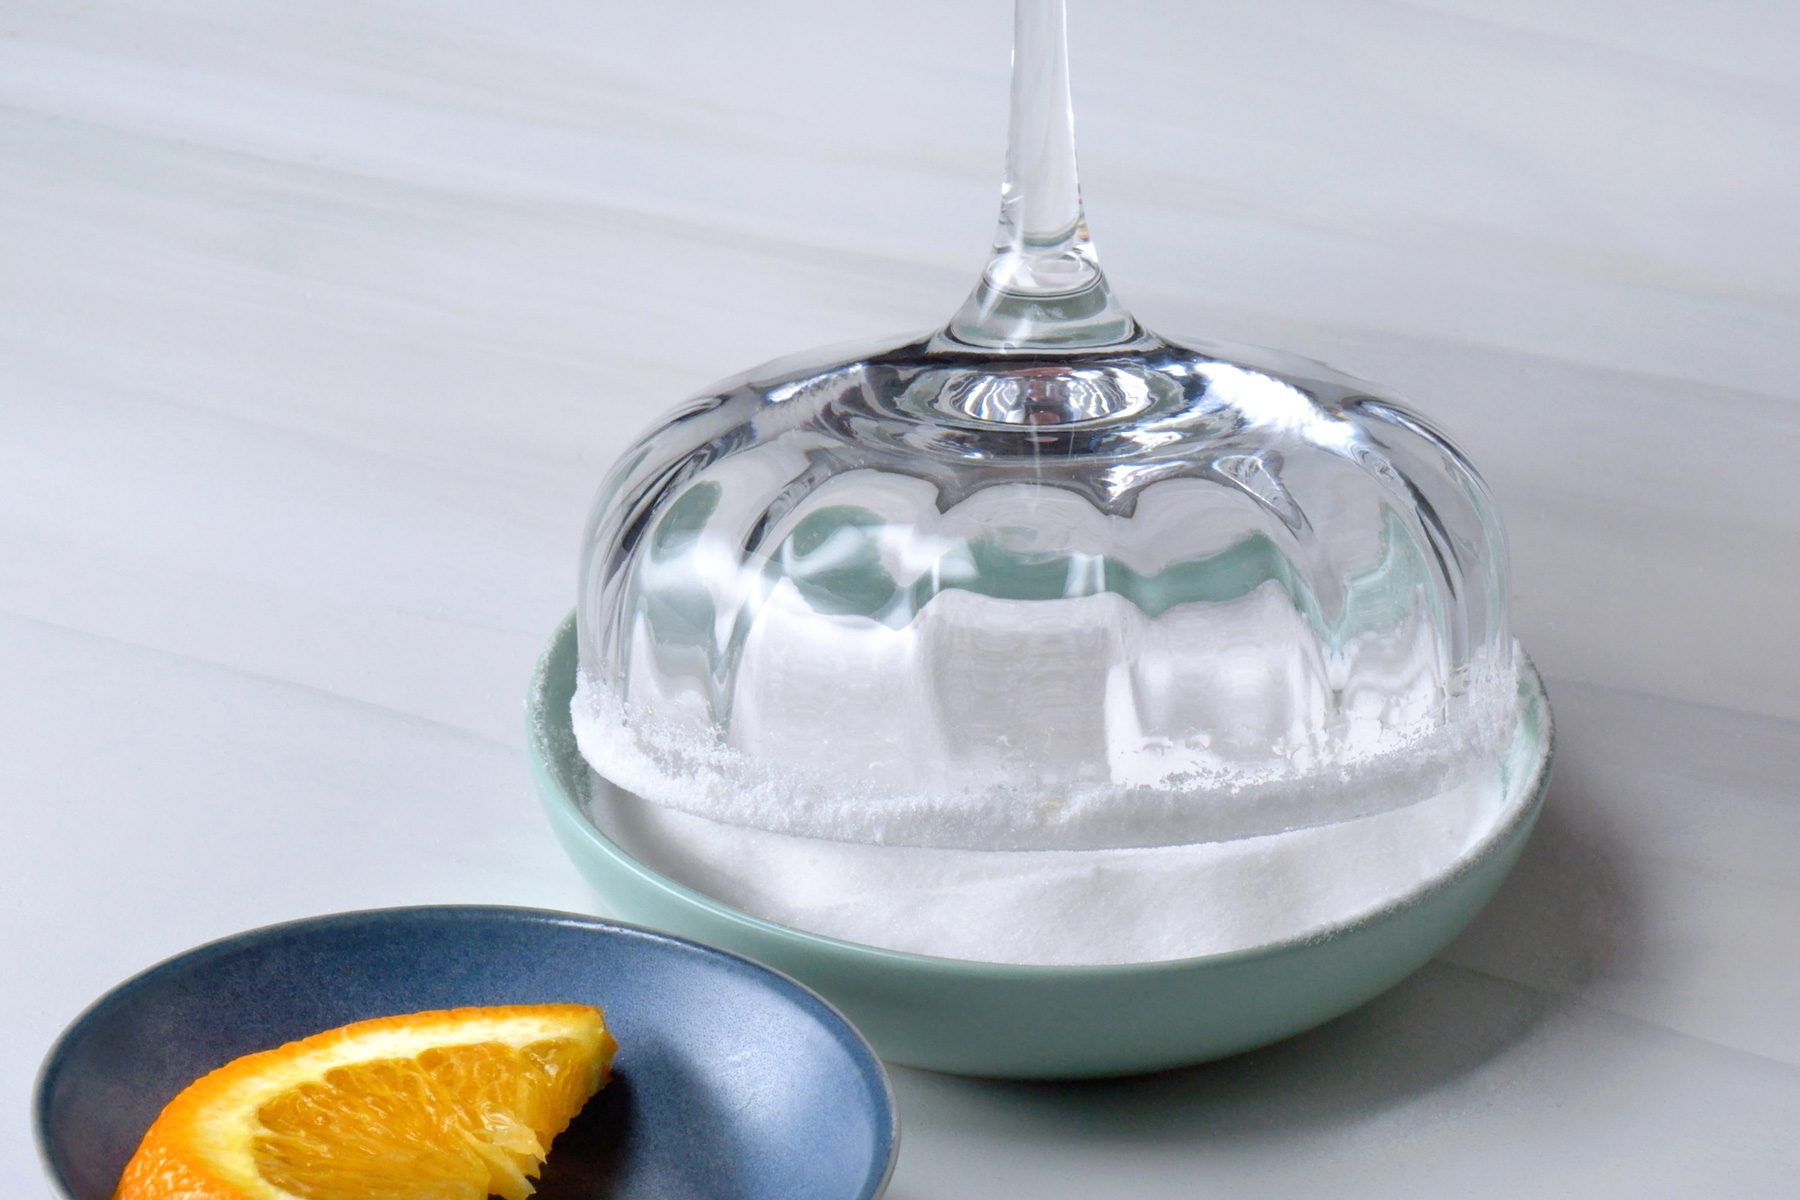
(456, 1105)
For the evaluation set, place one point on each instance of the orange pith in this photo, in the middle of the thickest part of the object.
(453, 1105)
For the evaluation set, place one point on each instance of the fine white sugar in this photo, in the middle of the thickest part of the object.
(1066, 906)
(1122, 870)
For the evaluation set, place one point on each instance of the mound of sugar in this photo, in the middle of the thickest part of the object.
(1066, 906)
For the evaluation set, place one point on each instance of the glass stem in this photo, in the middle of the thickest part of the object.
(1042, 288)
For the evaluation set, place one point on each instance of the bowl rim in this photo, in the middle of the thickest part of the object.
(868, 1061)
(543, 722)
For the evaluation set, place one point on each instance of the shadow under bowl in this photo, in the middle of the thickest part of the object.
(731, 1080)
(1052, 1022)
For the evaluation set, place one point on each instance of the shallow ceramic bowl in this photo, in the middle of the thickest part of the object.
(992, 1019)
(731, 1080)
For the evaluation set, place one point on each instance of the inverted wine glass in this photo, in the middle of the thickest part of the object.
(1041, 578)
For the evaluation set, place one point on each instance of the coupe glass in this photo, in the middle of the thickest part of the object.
(1041, 578)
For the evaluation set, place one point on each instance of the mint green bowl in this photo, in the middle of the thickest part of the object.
(1029, 1022)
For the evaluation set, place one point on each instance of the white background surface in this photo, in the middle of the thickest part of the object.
(319, 323)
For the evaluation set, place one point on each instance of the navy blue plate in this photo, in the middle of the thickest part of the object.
(732, 1081)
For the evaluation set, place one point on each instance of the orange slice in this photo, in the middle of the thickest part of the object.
(455, 1105)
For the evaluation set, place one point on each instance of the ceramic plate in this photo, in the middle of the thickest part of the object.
(1054, 1022)
(732, 1081)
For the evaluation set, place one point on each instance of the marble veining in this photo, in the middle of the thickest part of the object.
(318, 324)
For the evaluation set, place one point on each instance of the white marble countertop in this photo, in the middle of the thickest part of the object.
(319, 322)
